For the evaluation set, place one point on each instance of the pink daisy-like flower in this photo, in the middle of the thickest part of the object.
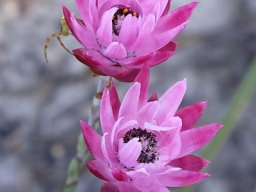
(146, 144)
(119, 36)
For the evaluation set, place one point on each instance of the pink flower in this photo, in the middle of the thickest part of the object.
(147, 144)
(119, 36)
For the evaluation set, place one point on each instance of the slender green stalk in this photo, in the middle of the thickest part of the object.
(237, 106)
(76, 165)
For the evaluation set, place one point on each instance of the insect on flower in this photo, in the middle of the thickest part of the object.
(64, 31)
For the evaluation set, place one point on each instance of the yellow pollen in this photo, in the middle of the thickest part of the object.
(134, 14)
(125, 10)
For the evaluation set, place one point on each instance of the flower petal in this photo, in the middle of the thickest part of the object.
(170, 101)
(190, 163)
(191, 114)
(180, 178)
(129, 152)
(129, 106)
(129, 31)
(195, 138)
(109, 187)
(88, 11)
(175, 18)
(92, 140)
(143, 79)
(104, 32)
(115, 51)
(102, 66)
(80, 31)
(144, 33)
(100, 169)
(115, 102)
(107, 119)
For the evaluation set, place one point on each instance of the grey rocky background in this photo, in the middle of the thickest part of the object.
(41, 104)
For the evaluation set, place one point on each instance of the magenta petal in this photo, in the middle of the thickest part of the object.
(119, 72)
(129, 152)
(148, 183)
(143, 79)
(100, 169)
(190, 163)
(107, 119)
(109, 187)
(153, 97)
(104, 32)
(79, 30)
(128, 31)
(88, 10)
(115, 102)
(115, 50)
(92, 140)
(181, 178)
(163, 54)
(119, 174)
(144, 34)
(191, 114)
(171, 100)
(130, 102)
(176, 18)
(147, 112)
(196, 138)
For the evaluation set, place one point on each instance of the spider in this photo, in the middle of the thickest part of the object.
(64, 31)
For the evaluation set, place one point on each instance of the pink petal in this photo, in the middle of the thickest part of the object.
(109, 187)
(88, 11)
(115, 51)
(80, 31)
(147, 112)
(143, 79)
(119, 174)
(115, 102)
(190, 163)
(100, 169)
(145, 182)
(129, 106)
(118, 72)
(104, 32)
(129, 31)
(191, 114)
(153, 97)
(171, 100)
(144, 33)
(170, 145)
(107, 119)
(160, 39)
(175, 18)
(167, 8)
(129, 152)
(92, 140)
(163, 54)
(107, 149)
(196, 138)
(181, 178)
(153, 127)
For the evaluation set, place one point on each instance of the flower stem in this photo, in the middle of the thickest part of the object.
(235, 110)
(76, 165)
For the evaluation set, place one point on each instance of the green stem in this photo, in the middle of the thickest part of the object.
(76, 165)
(238, 104)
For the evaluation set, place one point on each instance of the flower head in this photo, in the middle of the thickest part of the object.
(120, 36)
(146, 144)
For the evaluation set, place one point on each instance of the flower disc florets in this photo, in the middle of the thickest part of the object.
(119, 17)
(119, 36)
(146, 143)
(149, 144)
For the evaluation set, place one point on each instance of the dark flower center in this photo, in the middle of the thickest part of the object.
(118, 19)
(149, 144)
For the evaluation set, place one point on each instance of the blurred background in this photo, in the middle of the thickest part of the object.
(41, 103)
